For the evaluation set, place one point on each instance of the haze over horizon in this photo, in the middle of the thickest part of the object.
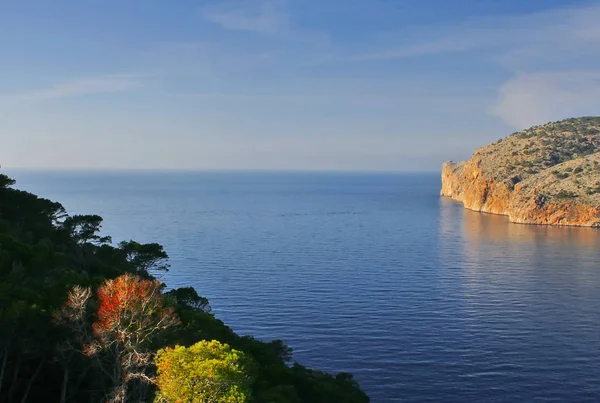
(286, 84)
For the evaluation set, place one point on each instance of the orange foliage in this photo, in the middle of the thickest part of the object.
(131, 314)
(131, 309)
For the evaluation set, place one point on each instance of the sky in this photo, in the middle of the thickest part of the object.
(359, 85)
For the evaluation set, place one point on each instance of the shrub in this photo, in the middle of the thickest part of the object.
(566, 194)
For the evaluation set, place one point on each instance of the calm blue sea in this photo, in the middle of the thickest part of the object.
(374, 274)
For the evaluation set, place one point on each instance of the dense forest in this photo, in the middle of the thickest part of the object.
(85, 320)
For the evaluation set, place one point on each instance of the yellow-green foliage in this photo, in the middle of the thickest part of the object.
(208, 371)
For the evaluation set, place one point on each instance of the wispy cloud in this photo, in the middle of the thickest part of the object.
(542, 65)
(337, 98)
(265, 16)
(198, 56)
(552, 59)
(555, 29)
(444, 44)
(112, 83)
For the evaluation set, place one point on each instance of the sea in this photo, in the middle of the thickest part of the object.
(369, 273)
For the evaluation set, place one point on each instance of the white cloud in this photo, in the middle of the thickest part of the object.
(84, 86)
(265, 17)
(532, 99)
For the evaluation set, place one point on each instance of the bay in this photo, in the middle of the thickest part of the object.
(370, 273)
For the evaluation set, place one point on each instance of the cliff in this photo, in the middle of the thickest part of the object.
(547, 174)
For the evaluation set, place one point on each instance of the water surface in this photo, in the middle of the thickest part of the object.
(370, 273)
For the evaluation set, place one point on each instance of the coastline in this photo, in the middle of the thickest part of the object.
(465, 182)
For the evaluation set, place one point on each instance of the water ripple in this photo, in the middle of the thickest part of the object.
(372, 274)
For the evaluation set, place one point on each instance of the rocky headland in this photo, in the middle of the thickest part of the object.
(547, 174)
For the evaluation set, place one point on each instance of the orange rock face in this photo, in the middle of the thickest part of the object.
(521, 202)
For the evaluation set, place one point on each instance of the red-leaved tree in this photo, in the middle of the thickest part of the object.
(131, 315)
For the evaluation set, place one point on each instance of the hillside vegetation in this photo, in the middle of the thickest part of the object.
(82, 320)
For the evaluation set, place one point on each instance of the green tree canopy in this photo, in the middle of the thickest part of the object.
(208, 371)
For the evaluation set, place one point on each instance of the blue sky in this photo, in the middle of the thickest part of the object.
(286, 84)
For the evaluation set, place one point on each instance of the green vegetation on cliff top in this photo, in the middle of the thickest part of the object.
(562, 158)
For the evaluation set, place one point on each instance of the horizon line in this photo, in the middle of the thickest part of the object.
(213, 170)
